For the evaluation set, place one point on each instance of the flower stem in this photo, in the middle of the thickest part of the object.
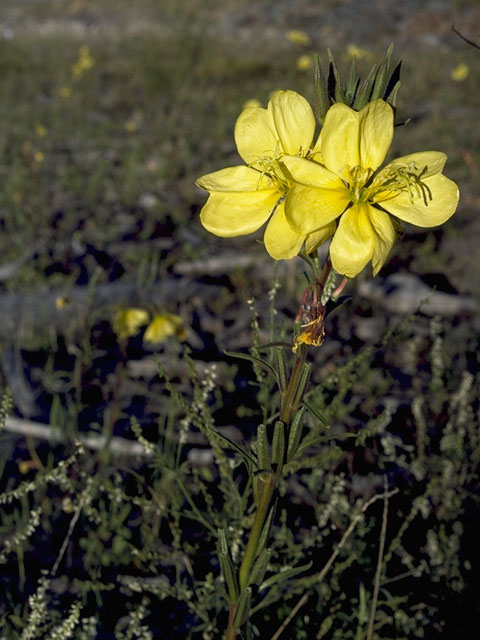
(289, 405)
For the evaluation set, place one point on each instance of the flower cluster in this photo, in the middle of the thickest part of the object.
(310, 190)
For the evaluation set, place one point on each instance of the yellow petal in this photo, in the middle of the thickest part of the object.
(236, 214)
(294, 121)
(281, 241)
(236, 179)
(162, 327)
(353, 244)
(127, 322)
(384, 237)
(426, 213)
(311, 173)
(427, 162)
(309, 209)
(375, 133)
(255, 134)
(315, 239)
(339, 143)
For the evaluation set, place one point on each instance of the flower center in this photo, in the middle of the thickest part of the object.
(388, 183)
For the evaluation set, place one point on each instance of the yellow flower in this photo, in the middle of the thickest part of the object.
(127, 322)
(163, 326)
(253, 102)
(353, 145)
(40, 130)
(65, 92)
(298, 37)
(84, 63)
(460, 72)
(357, 52)
(243, 198)
(304, 63)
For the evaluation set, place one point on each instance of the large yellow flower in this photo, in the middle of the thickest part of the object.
(243, 198)
(352, 147)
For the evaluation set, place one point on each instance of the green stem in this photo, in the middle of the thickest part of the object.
(288, 408)
(231, 632)
(251, 550)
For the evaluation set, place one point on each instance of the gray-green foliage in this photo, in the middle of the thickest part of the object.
(328, 523)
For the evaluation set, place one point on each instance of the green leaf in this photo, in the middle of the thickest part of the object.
(316, 413)
(233, 445)
(283, 576)
(253, 360)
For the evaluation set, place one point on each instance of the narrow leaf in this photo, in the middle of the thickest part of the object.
(316, 413)
(282, 576)
(253, 359)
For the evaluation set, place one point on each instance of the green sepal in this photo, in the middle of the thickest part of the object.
(392, 97)
(263, 456)
(284, 575)
(295, 433)
(278, 447)
(254, 360)
(382, 77)
(243, 608)
(259, 568)
(363, 96)
(334, 86)
(322, 103)
(352, 84)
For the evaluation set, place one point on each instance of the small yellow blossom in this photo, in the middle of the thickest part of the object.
(38, 157)
(162, 327)
(65, 92)
(357, 52)
(304, 63)
(127, 322)
(84, 63)
(243, 198)
(298, 37)
(253, 102)
(460, 72)
(61, 302)
(350, 187)
(40, 131)
(131, 125)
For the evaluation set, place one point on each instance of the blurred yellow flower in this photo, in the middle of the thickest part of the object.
(84, 63)
(356, 52)
(253, 102)
(298, 37)
(61, 302)
(131, 125)
(304, 63)
(349, 186)
(65, 92)
(163, 326)
(40, 130)
(460, 72)
(38, 157)
(127, 322)
(243, 198)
